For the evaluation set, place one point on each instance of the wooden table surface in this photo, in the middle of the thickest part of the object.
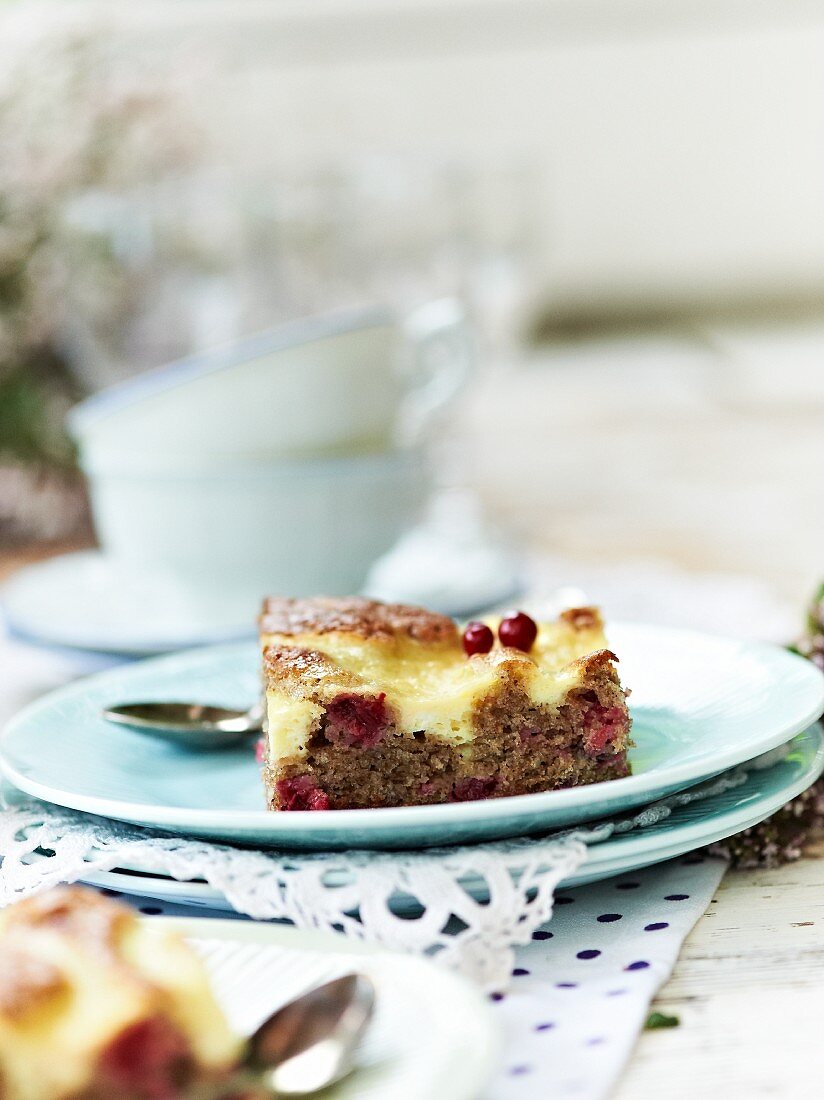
(748, 989)
(704, 450)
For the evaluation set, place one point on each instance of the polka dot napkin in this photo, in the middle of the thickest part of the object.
(581, 990)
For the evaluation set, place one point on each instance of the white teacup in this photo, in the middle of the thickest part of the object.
(348, 383)
(250, 528)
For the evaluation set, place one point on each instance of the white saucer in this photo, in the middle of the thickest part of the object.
(88, 601)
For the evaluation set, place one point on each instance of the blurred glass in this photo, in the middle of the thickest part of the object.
(199, 259)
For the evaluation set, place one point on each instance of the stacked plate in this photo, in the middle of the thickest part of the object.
(701, 705)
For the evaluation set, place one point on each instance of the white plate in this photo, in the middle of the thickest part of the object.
(700, 822)
(257, 967)
(88, 601)
(701, 704)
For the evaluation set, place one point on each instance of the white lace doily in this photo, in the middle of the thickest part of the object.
(469, 905)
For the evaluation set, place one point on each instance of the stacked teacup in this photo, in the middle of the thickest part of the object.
(288, 462)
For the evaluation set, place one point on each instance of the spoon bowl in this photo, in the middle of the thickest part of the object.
(194, 726)
(310, 1043)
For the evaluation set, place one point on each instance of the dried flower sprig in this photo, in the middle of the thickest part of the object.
(76, 126)
(782, 837)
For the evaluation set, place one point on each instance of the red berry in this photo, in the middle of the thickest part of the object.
(603, 725)
(518, 631)
(468, 790)
(356, 720)
(317, 800)
(300, 792)
(477, 638)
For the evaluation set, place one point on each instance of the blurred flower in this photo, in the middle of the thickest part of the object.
(782, 837)
(779, 839)
(811, 643)
(74, 122)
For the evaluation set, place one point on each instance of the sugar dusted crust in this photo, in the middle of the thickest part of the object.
(82, 916)
(582, 618)
(592, 663)
(301, 672)
(356, 615)
(377, 705)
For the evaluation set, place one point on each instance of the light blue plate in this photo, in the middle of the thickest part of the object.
(703, 821)
(700, 704)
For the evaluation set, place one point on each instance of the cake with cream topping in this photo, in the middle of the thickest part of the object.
(96, 1004)
(371, 704)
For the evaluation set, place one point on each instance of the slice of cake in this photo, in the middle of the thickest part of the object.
(94, 1004)
(372, 704)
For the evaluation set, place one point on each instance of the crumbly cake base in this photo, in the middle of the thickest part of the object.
(518, 748)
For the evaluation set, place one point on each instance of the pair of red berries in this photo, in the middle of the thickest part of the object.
(517, 631)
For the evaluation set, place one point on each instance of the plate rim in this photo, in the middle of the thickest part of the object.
(809, 775)
(633, 846)
(325, 824)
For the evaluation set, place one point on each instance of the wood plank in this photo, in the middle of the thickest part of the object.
(749, 992)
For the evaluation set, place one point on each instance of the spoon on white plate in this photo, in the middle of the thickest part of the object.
(307, 1045)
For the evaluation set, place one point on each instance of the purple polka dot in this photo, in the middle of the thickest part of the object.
(676, 897)
(519, 972)
(590, 953)
(544, 1027)
(608, 918)
(542, 935)
(627, 885)
(519, 1071)
(496, 996)
(640, 965)
(595, 1042)
(657, 926)
(566, 985)
(616, 992)
(564, 900)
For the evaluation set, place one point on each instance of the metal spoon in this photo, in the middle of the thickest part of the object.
(194, 726)
(310, 1043)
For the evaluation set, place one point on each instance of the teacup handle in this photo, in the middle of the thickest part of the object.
(443, 356)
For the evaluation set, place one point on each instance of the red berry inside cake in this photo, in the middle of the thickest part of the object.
(372, 704)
